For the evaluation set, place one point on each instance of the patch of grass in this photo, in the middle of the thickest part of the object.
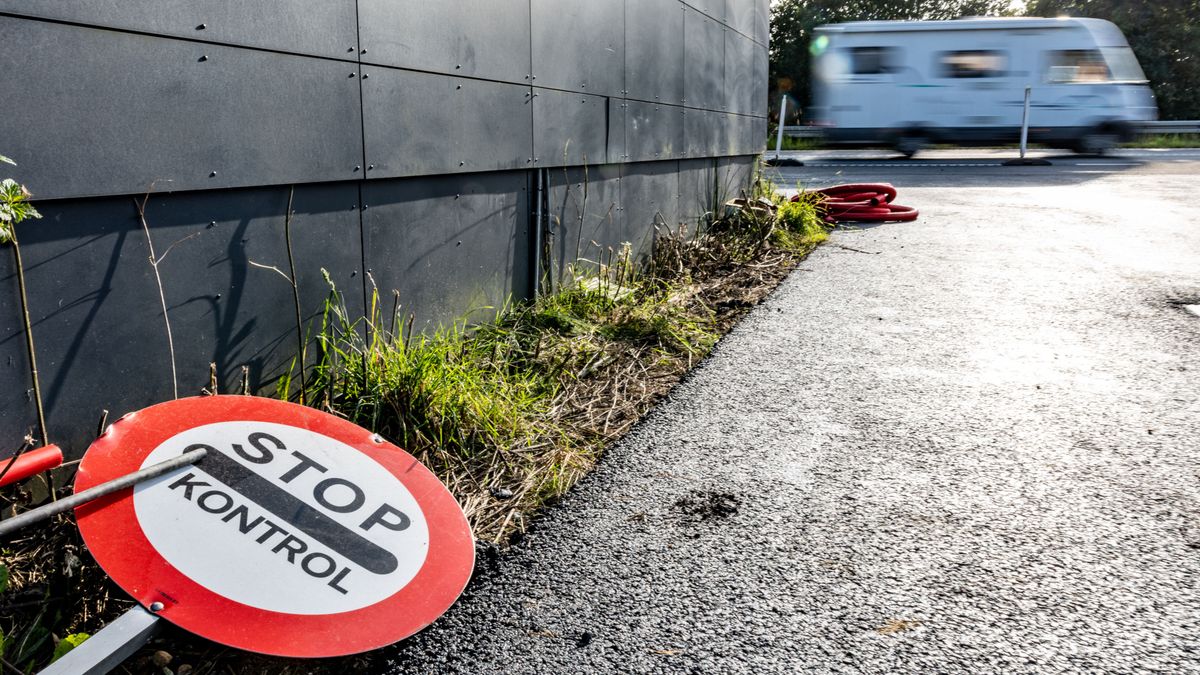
(1166, 141)
(512, 412)
(795, 143)
(488, 407)
(509, 413)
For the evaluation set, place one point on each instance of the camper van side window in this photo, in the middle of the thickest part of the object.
(873, 60)
(973, 63)
(1077, 65)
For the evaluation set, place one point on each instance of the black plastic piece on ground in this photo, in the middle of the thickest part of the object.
(783, 162)
(1027, 161)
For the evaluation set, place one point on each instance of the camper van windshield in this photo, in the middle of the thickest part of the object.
(1108, 64)
(1123, 64)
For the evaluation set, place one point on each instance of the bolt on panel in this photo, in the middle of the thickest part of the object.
(584, 219)
(704, 62)
(654, 50)
(579, 45)
(486, 39)
(569, 129)
(113, 113)
(315, 27)
(653, 131)
(455, 247)
(740, 75)
(420, 124)
(93, 294)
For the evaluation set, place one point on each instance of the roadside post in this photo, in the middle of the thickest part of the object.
(296, 533)
(777, 161)
(1023, 161)
(782, 121)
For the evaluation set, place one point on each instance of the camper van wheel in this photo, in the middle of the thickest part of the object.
(910, 143)
(1098, 141)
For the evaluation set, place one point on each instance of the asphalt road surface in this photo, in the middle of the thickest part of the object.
(965, 444)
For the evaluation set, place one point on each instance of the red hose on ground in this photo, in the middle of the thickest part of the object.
(862, 203)
(31, 463)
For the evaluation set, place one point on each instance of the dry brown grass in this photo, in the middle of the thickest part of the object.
(583, 371)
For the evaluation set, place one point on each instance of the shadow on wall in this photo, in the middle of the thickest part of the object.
(95, 304)
(449, 245)
(444, 243)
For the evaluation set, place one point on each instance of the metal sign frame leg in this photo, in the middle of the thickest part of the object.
(110, 647)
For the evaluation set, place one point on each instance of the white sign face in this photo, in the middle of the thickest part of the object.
(283, 519)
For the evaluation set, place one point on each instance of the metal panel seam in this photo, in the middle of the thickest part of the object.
(165, 36)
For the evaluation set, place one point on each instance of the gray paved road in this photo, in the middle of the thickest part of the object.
(967, 444)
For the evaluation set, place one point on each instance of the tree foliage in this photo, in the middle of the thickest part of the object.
(1165, 36)
(793, 21)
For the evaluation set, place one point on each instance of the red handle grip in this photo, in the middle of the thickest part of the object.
(31, 463)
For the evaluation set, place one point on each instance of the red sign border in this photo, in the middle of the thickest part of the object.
(111, 531)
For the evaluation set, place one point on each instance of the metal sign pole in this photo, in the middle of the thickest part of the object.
(28, 518)
(1025, 123)
(782, 121)
(1023, 160)
(106, 650)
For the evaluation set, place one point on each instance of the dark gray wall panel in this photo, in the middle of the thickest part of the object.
(579, 45)
(708, 134)
(317, 27)
(17, 413)
(100, 336)
(449, 244)
(748, 134)
(761, 80)
(758, 135)
(653, 131)
(762, 21)
(713, 8)
(654, 50)
(114, 112)
(734, 177)
(569, 129)
(741, 79)
(743, 16)
(584, 218)
(488, 39)
(650, 195)
(618, 112)
(704, 62)
(697, 190)
(422, 124)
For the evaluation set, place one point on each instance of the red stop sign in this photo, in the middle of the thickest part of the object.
(299, 534)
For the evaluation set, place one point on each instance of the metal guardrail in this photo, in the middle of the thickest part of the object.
(1160, 127)
(1172, 127)
(803, 132)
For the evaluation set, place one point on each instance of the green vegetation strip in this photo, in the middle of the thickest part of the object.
(509, 413)
(513, 412)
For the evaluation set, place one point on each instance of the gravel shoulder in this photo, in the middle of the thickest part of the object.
(967, 444)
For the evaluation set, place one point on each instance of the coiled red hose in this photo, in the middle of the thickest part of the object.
(862, 203)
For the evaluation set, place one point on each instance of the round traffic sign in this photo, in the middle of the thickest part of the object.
(299, 534)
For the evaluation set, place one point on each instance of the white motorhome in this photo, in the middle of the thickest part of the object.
(909, 84)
